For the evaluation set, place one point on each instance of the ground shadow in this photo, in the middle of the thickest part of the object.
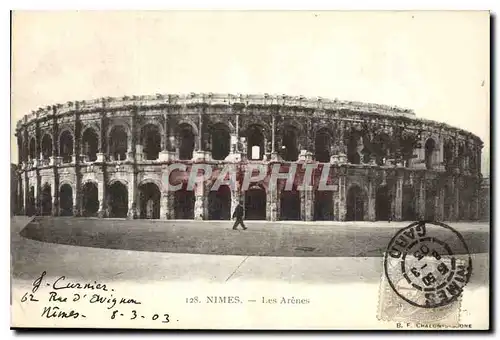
(217, 238)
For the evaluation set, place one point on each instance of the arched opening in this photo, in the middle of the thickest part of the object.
(255, 142)
(322, 144)
(151, 139)
(448, 155)
(46, 198)
(430, 204)
(430, 146)
(118, 143)
(290, 205)
(66, 200)
(255, 203)
(382, 148)
(289, 149)
(184, 204)
(323, 205)
(461, 156)
(355, 204)
(31, 202)
(90, 142)
(32, 151)
(66, 146)
(118, 200)
(149, 200)
(383, 204)
(186, 142)
(219, 204)
(46, 146)
(220, 141)
(408, 207)
(353, 156)
(90, 202)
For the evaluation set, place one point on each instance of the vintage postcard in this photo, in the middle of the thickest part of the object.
(293, 170)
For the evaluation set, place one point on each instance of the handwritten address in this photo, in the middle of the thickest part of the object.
(63, 293)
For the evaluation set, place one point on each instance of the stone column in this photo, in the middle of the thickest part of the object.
(272, 196)
(54, 192)
(101, 195)
(168, 152)
(453, 214)
(131, 145)
(421, 199)
(307, 204)
(440, 204)
(340, 203)
(201, 200)
(371, 201)
(166, 205)
(77, 202)
(398, 199)
(26, 193)
(132, 196)
(102, 146)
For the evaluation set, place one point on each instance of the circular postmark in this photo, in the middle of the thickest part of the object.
(428, 264)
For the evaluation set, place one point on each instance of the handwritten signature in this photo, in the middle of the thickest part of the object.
(62, 291)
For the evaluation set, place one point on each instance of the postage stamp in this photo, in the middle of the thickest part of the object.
(426, 267)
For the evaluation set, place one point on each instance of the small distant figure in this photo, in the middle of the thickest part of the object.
(238, 215)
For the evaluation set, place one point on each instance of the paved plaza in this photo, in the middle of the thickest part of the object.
(189, 250)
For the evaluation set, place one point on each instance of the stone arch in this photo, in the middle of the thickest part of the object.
(430, 149)
(66, 182)
(151, 140)
(255, 199)
(91, 140)
(184, 201)
(186, 134)
(355, 146)
(149, 199)
(66, 199)
(448, 158)
(66, 145)
(117, 198)
(290, 204)
(290, 148)
(323, 142)
(154, 181)
(47, 146)
(256, 141)
(189, 122)
(90, 198)
(118, 141)
(219, 203)
(46, 200)
(220, 135)
(214, 120)
(383, 203)
(357, 203)
(32, 148)
(250, 121)
(381, 147)
(408, 204)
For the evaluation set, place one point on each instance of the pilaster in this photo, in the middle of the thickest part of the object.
(421, 199)
(340, 200)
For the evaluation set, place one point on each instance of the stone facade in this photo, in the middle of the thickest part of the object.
(109, 158)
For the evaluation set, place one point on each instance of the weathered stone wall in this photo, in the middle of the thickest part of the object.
(370, 146)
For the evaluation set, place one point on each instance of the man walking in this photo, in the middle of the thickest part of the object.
(238, 215)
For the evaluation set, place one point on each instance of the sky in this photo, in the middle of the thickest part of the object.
(436, 63)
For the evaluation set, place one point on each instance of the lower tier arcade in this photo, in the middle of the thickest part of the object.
(353, 192)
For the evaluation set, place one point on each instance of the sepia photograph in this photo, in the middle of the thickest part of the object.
(250, 170)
